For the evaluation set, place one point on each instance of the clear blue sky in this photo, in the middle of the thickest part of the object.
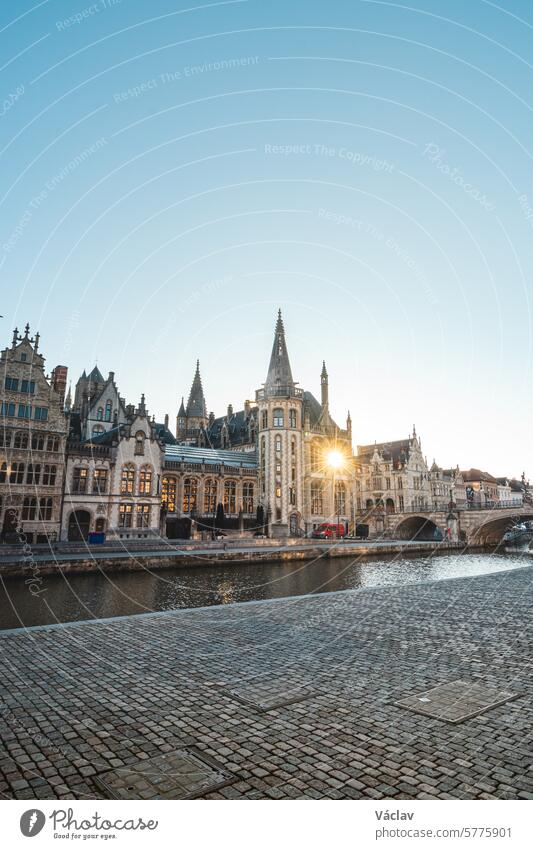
(172, 173)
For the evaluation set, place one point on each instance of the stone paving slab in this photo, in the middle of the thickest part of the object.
(88, 698)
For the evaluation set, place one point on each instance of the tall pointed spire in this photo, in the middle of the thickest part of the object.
(279, 370)
(196, 404)
(324, 387)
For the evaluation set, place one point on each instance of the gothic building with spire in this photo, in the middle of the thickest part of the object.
(271, 454)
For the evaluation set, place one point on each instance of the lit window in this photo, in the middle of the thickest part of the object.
(127, 480)
(248, 497)
(190, 490)
(79, 479)
(230, 500)
(168, 494)
(100, 481)
(210, 495)
(125, 515)
(145, 481)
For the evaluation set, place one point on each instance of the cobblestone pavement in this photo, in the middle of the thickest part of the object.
(84, 698)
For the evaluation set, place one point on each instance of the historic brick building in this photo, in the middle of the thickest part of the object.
(33, 432)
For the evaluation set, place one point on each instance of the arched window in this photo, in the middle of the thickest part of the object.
(140, 436)
(190, 490)
(17, 473)
(97, 430)
(109, 410)
(127, 480)
(210, 495)
(49, 475)
(248, 497)
(278, 417)
(100, 414)
(45, 509)
(278, 445)
(317, 508)
(292, 418)
(230, 500)
(33, 475)
(340, 498)
(168, 494)
(145, 481)
(21, 440)
(29, 509)
(37, 442)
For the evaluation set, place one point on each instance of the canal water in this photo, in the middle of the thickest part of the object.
(101, 595)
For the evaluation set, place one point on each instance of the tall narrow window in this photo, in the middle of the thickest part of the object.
(127, 481)
(139, 442)
(143, 515)
(264, 419)
(190, 490)
(210, 495)
(230, 500)
(100, 414)
(317, 508)
(248, 497)
(79, 479)
(278, 417)
(168, 494)
(125, 515)
(17, 473)
(145, 481)
(29, 509)
(49, 475)
(100, 481)
(340, 498)
(292, 418)
(33, 475)
(45, 509)
(108, 411)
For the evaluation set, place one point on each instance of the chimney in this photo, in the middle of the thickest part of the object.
(111, 376)
(166, 420)
(59, 380)
(247, 408)
(230, 410)
(211, 419)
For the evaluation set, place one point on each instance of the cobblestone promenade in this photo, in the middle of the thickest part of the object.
(295, 698)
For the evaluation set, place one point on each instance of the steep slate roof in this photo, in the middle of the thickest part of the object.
(210, 456)
(389, 450)
(478, 475)
(196, 404)
(95, 375)
(164, 434)
(279, 370)
(237, 426)
(316, 414)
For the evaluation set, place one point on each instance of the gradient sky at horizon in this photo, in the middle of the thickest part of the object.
(172, 174)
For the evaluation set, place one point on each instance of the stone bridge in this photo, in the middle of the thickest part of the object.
(475, 526)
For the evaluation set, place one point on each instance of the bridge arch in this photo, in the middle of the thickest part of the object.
(491, 532)
(419, 528)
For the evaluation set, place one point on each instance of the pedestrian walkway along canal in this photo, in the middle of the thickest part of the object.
(68, 598)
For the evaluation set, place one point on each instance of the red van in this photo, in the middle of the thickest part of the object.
(327, 530)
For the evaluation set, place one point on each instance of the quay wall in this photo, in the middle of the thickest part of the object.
(134, 561)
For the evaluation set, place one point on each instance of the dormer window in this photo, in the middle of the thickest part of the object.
(100, 414)
(139, 442)
(108, 410)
